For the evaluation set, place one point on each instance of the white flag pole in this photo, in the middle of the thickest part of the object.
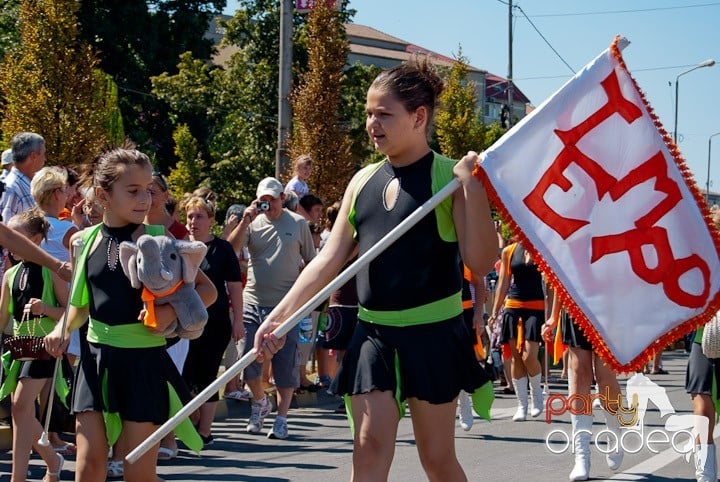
(295, 318)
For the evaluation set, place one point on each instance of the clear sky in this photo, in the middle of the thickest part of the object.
(667, 37)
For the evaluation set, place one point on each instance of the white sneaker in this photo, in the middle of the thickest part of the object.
(279, 429)
(465, 413)
(258, 411)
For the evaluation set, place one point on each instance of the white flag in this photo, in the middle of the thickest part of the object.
(602, 195)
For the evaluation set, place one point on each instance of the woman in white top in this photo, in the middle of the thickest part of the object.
(50, 190)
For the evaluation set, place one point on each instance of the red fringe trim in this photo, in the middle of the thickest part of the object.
(585, 325)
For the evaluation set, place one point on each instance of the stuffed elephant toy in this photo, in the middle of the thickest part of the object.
(166, 268)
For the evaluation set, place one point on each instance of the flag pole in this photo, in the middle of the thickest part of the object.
(295, 318)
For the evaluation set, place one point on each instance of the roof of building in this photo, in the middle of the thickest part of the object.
(363, 31)
(400, 50)
(370, 42)
(496, 88)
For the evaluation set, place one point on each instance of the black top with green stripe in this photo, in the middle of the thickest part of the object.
(423, 265)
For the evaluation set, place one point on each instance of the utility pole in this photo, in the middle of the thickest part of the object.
(282, 159)
(510, 66)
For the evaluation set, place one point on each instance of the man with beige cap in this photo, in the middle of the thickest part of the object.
(278, 241)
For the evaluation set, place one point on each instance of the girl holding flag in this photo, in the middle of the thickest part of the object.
(410, 342)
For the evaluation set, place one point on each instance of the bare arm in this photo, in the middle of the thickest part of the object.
(503, 284)
(25, 249)
(235, 292)
(237, 235)
(552, 320)
(473, 222)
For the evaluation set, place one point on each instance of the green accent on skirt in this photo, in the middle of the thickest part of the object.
(133, 335)
(12, 371)
(185, 431)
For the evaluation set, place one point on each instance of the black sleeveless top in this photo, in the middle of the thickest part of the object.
(28, 284)
(418, 268)
(527, 280)
(113, 300)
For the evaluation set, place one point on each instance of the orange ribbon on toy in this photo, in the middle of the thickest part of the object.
(148, 298)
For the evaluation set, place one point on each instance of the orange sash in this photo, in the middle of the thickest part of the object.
(149, 297)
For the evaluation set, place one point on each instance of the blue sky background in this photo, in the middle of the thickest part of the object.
(667, 37)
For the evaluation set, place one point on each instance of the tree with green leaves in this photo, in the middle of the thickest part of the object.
(238, 102)
(138, 39)
(9, 32)
(458, 125)
(494, 132)
(189, 170)
(316, 101)
(51, 84)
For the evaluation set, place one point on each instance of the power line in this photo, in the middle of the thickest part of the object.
(648, 69)
(612, 12)
(543, 37)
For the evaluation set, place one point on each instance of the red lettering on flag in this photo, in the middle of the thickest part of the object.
(668, 270)
(570, 154)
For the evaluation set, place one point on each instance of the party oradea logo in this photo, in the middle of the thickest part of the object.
(679, 432)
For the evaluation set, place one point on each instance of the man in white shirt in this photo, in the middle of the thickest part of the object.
(28, 153)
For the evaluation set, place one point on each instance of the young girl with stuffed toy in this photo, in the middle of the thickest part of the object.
(126, 384)
(34, 297)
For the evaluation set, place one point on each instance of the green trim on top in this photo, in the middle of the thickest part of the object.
(420, 315)
(79, 292)
(361, 179)
(48, 297)
(442, 174)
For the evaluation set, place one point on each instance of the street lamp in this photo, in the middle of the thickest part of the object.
(707, 63)
(707, 183)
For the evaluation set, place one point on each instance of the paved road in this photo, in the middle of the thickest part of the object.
(319, 447)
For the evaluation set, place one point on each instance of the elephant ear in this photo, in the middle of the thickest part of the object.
(128, 255)
(192, 254)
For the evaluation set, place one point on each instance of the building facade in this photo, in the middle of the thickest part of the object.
(369, 46)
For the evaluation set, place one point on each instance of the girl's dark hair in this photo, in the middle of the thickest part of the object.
(331, 215)
(32, 221)
(110, 164)
(414, 83)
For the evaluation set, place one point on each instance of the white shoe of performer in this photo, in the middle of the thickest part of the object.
(614, 452)
(536, 395)
(705, 468)
(521, 392)
(582, 433)
(465, 413)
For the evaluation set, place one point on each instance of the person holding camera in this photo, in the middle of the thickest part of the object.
(279, 242)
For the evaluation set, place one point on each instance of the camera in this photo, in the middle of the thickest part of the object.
(263, 206)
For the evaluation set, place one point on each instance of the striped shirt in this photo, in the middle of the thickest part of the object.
(17, 197)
